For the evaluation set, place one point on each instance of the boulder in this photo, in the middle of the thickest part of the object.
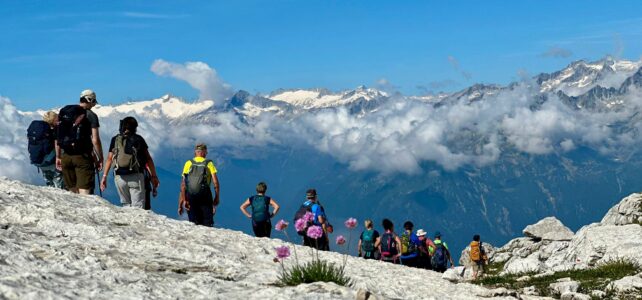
(627, 284)
(563, 286)
(518, 265)
(628, 211)
(598, 294)
(597, 244)
(575, 296)
(549, 228)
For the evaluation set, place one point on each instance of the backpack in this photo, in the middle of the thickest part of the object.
(388, 245)
(475, 251)
(41, 144)
(440, 257)
(260, 208)
(305, 207)
(367, 241)
(126, 152)
(407, 244)
(74, 130)
(197, 177)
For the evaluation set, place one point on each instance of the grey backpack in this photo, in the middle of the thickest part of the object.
(198, 175)
(126, 163)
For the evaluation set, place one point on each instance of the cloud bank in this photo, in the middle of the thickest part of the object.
(198, 75)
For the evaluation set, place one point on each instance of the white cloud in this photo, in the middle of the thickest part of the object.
(198, 75)
(14, 158)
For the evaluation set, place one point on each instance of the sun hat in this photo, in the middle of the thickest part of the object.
(421, 232)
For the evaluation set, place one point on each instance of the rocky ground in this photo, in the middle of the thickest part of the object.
(549, 249)
(55, 245)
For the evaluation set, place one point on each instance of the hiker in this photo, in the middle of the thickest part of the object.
(440, 255)
(478, 256)
(261, 216)
(409, 246)
(42, 149)
(423, 259)
(130, 153)
(319, 219)
(389, 244)
(196, 196)
(367, 241)
(79, 152)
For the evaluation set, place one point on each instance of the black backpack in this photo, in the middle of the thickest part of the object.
(74, 130)
(41, 144)
(260, 208)
(388, 245)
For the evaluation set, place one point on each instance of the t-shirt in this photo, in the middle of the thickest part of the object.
(93, 119)
(210, 166)
(132, 141)
(375, 235)
(438, 242)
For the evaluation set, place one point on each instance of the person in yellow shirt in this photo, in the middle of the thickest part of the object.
(196, 196)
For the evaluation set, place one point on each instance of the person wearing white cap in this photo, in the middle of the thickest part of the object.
(79, 151)
(424, 252)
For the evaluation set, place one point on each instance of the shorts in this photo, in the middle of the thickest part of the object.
(78, 171)
(262, 229)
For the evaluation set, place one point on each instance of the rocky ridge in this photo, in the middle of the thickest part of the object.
(548, 247)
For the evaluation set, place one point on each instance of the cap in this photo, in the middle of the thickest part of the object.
(311, 193)
(200, 146)
(437, 234)
(89, 95)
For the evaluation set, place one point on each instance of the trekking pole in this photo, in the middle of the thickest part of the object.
(98, 179)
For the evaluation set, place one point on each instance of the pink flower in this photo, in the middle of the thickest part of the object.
(308, 217)
(315, 232)
(282, 252)
(351, 223)
(300, 225)
(341, 240)
(281, 225)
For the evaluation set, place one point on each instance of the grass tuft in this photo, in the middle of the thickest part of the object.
(590, 279)
(314, 271)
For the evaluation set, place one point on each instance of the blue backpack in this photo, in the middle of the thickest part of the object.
(440, 257)
(367, 241)
(41, 144)
(260, 208)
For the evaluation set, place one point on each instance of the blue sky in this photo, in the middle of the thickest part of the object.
(51, 50)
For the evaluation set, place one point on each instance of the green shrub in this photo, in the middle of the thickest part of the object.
(316, 270)
(590, 279)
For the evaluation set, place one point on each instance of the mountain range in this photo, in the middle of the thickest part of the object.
(488, 159)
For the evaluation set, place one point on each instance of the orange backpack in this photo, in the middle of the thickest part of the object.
(475, 251)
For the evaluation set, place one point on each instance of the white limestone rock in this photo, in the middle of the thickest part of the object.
(628, 211)
(549, 228)
(598, 244)
(563, 286)
(627, 284)
(575, 296)
(518, 265)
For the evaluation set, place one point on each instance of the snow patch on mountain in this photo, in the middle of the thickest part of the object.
(166, 106)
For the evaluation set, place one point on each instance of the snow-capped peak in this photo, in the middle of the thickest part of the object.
(581, 76)
(166, 106)
(321, 98)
